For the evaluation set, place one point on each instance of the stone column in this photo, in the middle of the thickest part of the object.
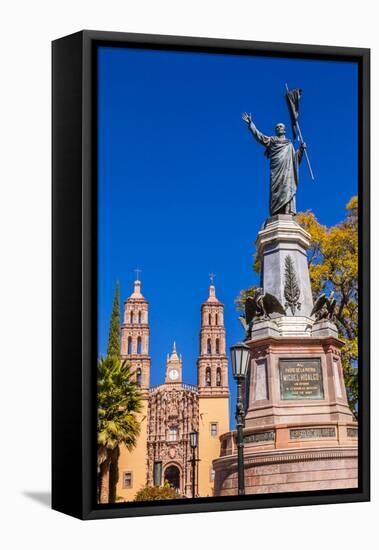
(282, 246)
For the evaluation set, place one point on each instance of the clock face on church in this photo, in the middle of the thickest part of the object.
(174, 374)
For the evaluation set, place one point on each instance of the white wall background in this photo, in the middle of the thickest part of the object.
(26, 31)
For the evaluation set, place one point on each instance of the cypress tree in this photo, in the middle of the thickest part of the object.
(114, 349)
(113, 352)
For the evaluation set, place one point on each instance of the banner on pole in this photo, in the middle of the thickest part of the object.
(293, 102)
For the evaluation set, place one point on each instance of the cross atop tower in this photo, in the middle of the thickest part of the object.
(137, 272)
(212, 277)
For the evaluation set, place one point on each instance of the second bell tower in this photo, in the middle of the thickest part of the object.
(213, 388)
(212, 363)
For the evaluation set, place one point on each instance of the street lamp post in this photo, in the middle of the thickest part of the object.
(193, 443)
(240, 354)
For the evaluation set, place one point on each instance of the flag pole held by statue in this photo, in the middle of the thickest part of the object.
(293, 98)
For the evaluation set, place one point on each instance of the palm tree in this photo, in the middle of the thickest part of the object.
(118, 402)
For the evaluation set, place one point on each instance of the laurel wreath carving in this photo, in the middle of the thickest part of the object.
(291, 286)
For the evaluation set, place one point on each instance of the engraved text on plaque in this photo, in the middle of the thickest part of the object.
(301, 379)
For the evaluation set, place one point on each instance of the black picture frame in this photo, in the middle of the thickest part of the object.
(74, 295)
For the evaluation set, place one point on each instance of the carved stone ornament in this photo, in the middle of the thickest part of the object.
(324, 307)
(259, 352)
(291, 286)
(172, 453)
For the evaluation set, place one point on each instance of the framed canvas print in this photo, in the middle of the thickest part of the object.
(210, 275)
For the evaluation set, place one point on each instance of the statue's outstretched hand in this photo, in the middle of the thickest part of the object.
(303, 145)
(246, 117)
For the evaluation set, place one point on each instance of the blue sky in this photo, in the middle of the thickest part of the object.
(183, 187)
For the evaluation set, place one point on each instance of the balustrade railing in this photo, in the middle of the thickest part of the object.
(181, 385)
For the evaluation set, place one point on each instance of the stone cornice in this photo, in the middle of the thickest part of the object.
(284, 231)
(289, 340)
(272, 426)
(136, 326)
(225, 395)
(288, 455)
(136, 301)
(212, 304)
(212, 356)
(134, 356)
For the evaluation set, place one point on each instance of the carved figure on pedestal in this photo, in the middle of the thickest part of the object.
(259, 305)
(324, 307)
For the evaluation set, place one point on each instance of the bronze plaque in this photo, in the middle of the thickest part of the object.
(301, 379)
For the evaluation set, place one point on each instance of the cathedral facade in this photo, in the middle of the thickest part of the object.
(174, 409)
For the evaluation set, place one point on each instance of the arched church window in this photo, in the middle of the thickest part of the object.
(217, 345)
(139, 378)
(209, 319)
(209, 346)
(139, 317)
(129, 345)
(131, 317)
(139, 344)
(218, 377)
(216, 319)
(208, 380)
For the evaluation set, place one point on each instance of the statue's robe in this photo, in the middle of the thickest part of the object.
(284, 171)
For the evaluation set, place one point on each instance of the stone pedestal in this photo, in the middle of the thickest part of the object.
(323, 468)
(299, 434)
(282, 245)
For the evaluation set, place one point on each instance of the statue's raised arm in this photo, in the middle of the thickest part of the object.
(261, 138)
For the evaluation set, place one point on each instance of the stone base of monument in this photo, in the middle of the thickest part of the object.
(303, 457)
(299, 434)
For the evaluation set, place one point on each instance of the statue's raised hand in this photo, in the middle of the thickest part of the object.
(246, 117)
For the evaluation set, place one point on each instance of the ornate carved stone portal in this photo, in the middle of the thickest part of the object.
(172, 414)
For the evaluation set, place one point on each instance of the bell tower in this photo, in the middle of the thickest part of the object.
(135, 337)
(213, 388)
(212, 363)
(135, 350)
(174, 367)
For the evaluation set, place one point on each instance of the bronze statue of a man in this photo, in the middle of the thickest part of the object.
(284, 166)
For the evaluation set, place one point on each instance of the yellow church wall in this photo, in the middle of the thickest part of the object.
(211, 410)
(134, 461)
